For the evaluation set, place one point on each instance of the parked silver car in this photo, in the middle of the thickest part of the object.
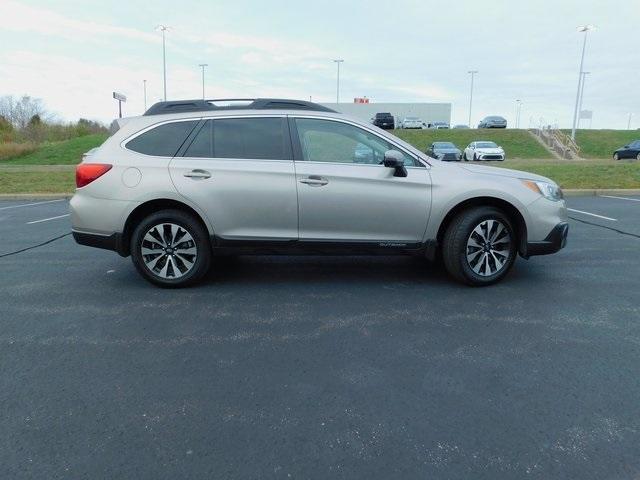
(190, 180)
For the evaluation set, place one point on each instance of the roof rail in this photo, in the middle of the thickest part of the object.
(180, 106)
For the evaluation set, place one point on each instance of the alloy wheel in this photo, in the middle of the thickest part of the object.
(168, 250)
(488, 247)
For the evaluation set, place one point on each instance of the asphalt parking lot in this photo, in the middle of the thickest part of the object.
(306, 367)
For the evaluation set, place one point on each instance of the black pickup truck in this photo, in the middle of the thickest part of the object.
(384, 120)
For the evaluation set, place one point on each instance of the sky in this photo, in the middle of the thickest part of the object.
(74, 53)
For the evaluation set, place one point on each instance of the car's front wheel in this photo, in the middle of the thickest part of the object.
(616, 156)
(479, 246)
(638, 157)
(171, 249)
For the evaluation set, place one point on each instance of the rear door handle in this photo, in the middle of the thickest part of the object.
(197, 174)
(314, 181)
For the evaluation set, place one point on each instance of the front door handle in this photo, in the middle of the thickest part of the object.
(197, 174)
(315, 181)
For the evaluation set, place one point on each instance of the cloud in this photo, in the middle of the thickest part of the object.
(18, 17)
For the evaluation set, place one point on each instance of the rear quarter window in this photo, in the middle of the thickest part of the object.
(163, 140)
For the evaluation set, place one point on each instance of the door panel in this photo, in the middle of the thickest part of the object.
(244, 198)
(362, 203)
(344, 194)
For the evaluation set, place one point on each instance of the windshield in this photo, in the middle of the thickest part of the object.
(412, 119)
(486, 145)
(443, 145)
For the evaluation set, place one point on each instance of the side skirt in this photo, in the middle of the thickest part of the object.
(225, 246)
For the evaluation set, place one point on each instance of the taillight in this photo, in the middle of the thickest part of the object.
(88, 172)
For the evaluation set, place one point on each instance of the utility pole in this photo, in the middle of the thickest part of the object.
(338, 62)
(582, 29)
(518, 107)
(472, 72)
(163, 29)
(202, 65)
(584, 77)
(629, 121)
(144, 87)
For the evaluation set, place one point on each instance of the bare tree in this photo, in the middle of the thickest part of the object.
(19, 111)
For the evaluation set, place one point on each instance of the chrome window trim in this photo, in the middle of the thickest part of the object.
(196, 119)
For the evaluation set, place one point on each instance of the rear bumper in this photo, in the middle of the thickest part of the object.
(556, 240)
(107, 242)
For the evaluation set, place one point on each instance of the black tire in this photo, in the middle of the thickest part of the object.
(638, 157)
(475, 159)
(184, 268)
(616, 156)
(455, 248)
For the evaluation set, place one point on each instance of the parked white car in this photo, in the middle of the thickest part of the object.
(483, 151)
(412, 122)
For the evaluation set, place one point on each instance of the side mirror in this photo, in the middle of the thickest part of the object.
(394, 159)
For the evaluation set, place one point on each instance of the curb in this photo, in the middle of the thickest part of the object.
(590, 192)
(35, 196)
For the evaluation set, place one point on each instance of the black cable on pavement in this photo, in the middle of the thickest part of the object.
(35, 246)
(604, 226)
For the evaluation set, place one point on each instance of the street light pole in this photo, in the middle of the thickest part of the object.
(584, 77)
(202, 65)
(583, 29)
(163, 29)
(518, 106)
(472, 72)
(338, 62)
(629, 121)
(144, 87)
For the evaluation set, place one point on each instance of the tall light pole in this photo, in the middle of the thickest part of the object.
(144, 87)
(584, 77)
(163, 29)
(518, 107)
(472, 72)
(338, 62)
(582, 29)
(202, 65)
(629, 121)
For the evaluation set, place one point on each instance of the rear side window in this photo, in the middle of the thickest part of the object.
(163, 140)
(251, 138)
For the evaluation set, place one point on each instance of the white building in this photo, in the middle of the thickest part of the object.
(428, 112)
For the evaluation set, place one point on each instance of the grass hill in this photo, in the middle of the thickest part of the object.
(516, 143)
(602, 143)
(67, 152)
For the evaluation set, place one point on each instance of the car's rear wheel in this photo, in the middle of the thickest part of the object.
(616, 156)
(171, 249)
(479, 246)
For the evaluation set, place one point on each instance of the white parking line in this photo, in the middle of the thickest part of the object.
(621, 198)
(30, 204)
(47, 219)
(592, 214)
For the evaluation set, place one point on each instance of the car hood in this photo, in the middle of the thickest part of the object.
(489, 150)
(505, 172)
(446, 150)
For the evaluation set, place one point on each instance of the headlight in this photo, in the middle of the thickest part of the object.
(546, 189)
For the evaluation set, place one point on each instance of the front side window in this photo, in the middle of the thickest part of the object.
(163, 140)
(329, 141)
(249, 138)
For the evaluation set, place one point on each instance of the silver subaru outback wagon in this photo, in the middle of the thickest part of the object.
(189, 180)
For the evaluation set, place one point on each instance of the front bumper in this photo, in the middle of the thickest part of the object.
(556, 240)
(491, 156)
